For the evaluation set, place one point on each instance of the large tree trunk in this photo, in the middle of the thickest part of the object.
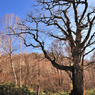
(77, 78)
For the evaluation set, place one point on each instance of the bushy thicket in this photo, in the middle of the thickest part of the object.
(11, 89)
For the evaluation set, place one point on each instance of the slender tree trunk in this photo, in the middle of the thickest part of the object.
(20, 64)
(37, 89)
(20, 72)
(12, 65)
(59, 77)
(77, 78)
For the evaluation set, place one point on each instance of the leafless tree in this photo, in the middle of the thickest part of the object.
(66, 23)
(9, 42)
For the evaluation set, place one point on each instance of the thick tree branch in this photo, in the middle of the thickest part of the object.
(55, 64)
(86, 6)
(88, 34)
(75, 14)
(89, 43)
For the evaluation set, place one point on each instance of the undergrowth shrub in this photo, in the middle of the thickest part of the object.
(11, 89)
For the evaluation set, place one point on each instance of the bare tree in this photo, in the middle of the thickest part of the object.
(66, 23)
(20, 64)
(9, 42)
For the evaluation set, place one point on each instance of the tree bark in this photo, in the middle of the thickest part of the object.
(77, 78)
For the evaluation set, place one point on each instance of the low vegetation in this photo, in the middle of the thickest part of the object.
(11, 89)
(90, 92)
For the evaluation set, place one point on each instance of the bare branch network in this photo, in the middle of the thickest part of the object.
(62, 20)
(58, 15)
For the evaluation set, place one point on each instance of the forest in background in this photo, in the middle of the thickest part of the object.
(37, 70)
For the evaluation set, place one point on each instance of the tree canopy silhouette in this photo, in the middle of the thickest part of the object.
(68, 21)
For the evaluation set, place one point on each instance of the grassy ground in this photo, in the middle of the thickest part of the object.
(11, 89)
(90, 92)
